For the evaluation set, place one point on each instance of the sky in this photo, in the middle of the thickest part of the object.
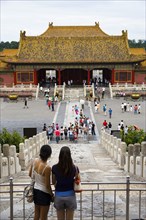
(33, 16)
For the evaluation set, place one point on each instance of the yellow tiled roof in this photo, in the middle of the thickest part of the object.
(140, 51)
(77, 44)
(9, 52)
(6, 53)
(137, 51)
(73, 31)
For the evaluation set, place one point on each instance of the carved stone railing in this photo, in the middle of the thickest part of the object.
(132, 161)
(12, 162)
(60, 89)
(126, 88)
(21, 90)
(89, 89)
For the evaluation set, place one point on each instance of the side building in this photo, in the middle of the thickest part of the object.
(77, 53)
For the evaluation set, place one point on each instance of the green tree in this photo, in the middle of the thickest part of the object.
(9, 45)
(13, 138)
(138, 44)
(134, 136)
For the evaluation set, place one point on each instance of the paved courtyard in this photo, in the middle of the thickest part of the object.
(14, 116)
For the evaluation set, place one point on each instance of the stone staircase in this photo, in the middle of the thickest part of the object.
(41, 94)
(73, 94)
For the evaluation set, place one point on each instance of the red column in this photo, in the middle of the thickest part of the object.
(35, 81)
(59, 77)
(133, 76)
(88, 76)
(14, 74)
(113, 75)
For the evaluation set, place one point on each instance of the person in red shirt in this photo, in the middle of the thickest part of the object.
(105, 124)
(49, 104)
(57, 134)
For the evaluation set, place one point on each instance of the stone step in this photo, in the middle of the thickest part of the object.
(74, 93)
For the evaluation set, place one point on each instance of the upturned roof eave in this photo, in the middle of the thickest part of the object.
(73, 62)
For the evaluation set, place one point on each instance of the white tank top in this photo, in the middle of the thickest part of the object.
(40, 181)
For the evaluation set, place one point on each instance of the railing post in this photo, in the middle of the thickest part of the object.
(127, 196)
(11, 198)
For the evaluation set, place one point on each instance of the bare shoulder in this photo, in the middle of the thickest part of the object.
(47, 169)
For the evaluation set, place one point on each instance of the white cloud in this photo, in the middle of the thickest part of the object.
(34, 16)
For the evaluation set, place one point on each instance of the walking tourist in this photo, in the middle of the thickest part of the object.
(93, 128)
(44, 127)
(104, 124)
(126, 130)
(125, 106)
(110, 112)
(105, 109)
(128, 107)
(52, 104)
(65, 133)
(50, 133)
(135, 109)
(25, 103)
(49, 104)
(109, 125)
(57, 135)
(119, 127)
(131, 108)
(61, 132)
(122, 107)
(103, 92)
(41, 173)
(63, 174)
(139, 109)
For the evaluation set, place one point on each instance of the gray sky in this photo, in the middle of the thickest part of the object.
(33, 16)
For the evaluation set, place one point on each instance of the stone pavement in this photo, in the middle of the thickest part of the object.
(14, 116)
(92, 159)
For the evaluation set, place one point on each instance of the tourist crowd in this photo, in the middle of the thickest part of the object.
(82, 126)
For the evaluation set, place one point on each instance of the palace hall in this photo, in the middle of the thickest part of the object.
(74, 53)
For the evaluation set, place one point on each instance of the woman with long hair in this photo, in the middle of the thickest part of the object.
(41, 173)
(63, 175)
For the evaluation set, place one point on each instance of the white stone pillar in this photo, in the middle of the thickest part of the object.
(35, 145)
(115, 149)
(109, 141)
(31, 146)
(130, 154)
(143, 159)
(23, 156)
(123, 153)
(5, 167)
(26, 147)
(136, 153)
(6, 148)
(113, 139)
(0, 160)
(118, 147)
(16, 161)
(11, 166)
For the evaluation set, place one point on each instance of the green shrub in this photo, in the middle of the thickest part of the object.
(133, 136)
(13, 138)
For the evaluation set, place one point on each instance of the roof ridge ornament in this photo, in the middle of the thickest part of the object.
(22, 34)
(124, 33)
(50, 24)
(96, 23)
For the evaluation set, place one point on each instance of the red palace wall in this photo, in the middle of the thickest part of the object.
(7, 78)
(140, 77)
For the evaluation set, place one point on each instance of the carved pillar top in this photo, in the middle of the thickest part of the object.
(143, 148)
(6, 150)
(136, 149)
(130, 149)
